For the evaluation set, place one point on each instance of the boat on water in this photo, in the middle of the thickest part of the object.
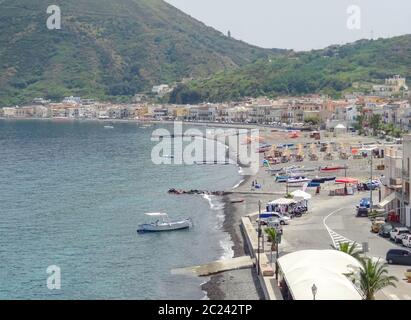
(163, 223)
(109, 126)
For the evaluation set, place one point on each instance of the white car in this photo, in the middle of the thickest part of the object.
(276, 216)
(282, 218)
(406, 240)
(396, 233)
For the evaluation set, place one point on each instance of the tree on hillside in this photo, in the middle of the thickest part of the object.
(359, 125)
(375, 123)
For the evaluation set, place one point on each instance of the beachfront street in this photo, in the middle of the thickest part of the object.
(338, 214)
(331, 219)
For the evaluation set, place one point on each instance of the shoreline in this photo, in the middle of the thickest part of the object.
(216, 288)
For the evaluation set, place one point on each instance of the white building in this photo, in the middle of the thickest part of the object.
(161, 90)
(72, 100)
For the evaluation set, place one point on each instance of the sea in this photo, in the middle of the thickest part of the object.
(72, 194)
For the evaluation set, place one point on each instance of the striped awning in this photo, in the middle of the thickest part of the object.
(387, 200)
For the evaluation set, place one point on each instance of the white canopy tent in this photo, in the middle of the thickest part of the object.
(283, 201)
(324, 268)
(299, 194)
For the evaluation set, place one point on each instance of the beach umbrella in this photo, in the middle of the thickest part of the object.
(346, 180)
(273, 150)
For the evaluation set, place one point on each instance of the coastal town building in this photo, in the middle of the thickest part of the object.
(393, 86)
(397, 178)
(161, 89)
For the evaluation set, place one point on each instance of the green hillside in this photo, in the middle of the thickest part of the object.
(107, 49)
(330, 71)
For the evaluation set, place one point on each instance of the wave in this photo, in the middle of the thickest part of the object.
(214, 204)
(238, 184)
(227, 246)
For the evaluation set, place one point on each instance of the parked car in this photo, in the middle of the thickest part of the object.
(376, 225)
(374, 184)
(282, 218)
(266, 217)
(385, 230)
(396, 233)
(406, 240)
(399, 256)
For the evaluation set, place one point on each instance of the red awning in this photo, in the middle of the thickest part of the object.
(346, 180)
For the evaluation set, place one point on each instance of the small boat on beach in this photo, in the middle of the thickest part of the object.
(334, 168)
(323, 179)
(237, 201)
(165, 224)
(282, 178)
(299, 180)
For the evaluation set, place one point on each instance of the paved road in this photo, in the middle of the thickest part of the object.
(334, 217)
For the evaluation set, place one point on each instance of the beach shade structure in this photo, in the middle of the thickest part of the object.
(346, 180)
(283, 202)
(354, 151)
(273, 150)
(326, 269)
(299, 194)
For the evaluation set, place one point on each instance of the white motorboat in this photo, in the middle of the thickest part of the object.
(163, 223)
(298, 181)
(108, 127)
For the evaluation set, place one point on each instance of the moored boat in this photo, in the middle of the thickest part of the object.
(165, 224)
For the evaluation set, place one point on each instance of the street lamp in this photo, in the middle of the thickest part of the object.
(259, 236)
(314, 290)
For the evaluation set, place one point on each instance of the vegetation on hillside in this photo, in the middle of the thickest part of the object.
(332, 71)
(107, 49)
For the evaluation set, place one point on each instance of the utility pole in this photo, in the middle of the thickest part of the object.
(371, 185)
(259, 236)
(402, 211)
(276, 256)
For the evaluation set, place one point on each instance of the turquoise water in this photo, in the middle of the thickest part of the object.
(72, 195)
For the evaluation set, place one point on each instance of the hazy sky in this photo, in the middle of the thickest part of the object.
(300, 24)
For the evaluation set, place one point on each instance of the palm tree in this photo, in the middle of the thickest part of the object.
(350, 249)
(373, 277)
(272, 237)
